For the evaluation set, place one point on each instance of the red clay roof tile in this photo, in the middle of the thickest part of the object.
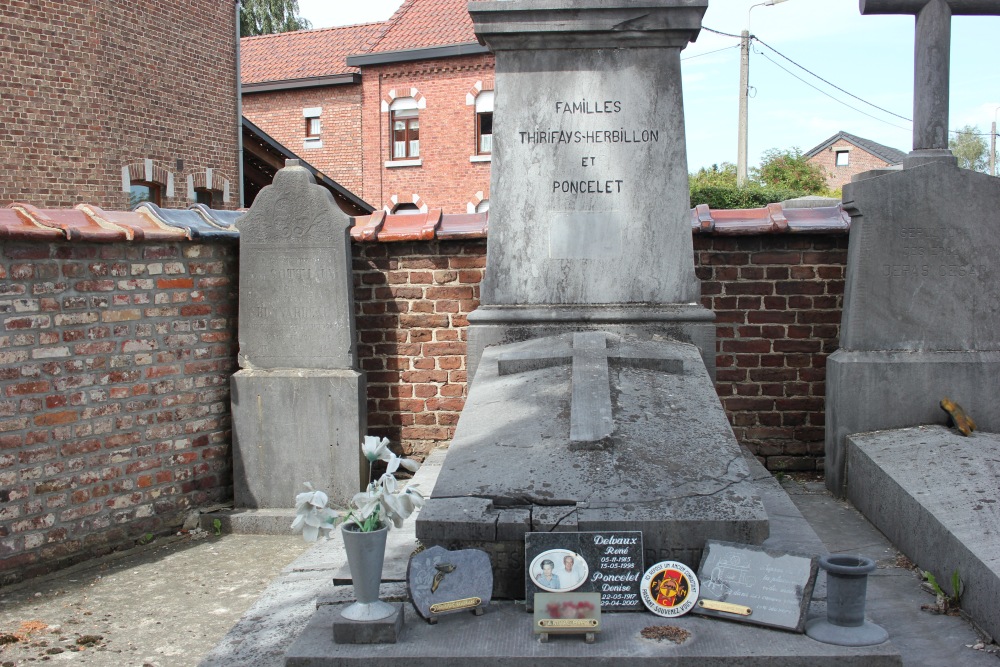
(423, 23)
(305, 53)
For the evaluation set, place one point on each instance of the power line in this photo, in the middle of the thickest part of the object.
(719, 32)
(699, 55)
(865, 113)
(891, 113)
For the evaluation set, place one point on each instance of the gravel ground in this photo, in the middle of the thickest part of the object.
(163, 605)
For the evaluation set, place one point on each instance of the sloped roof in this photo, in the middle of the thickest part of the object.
(419, 24)
(305, 53)
(887, 153)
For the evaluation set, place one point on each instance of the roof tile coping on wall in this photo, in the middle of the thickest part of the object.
(86, 222)
(149, 222)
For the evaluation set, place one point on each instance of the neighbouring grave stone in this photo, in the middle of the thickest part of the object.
(298, 402)
(610, 564)
(442, 582)
(921, 316)
(589, 212)
(756, 585)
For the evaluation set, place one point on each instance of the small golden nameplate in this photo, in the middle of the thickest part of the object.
(727, 607)
(568, 623)
(464, 603)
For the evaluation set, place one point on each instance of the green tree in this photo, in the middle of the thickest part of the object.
(971, 149)
(265, 17)
(789, 168)
(714, 176)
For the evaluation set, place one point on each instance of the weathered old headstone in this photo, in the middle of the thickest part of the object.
(589, 212)
(921, 316)
(298, 402)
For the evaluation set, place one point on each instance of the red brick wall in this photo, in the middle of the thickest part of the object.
(115, 363)
(858, 161)
(114, 394)
(412, 300)
(777, 299)
(88, 86)
(279, 114)
(446, 179)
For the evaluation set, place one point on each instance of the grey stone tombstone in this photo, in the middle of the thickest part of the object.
(921, 317)
(589, 212)
(298, 402)
(592, 406)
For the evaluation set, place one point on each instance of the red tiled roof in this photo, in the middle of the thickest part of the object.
(419, 24)
(305, 53)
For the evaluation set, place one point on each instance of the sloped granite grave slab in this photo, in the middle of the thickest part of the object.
(591, 432)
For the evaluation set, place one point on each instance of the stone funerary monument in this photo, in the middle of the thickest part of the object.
(592, 404)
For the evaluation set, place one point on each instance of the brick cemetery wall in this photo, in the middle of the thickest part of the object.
(115, 362)
(114, 394)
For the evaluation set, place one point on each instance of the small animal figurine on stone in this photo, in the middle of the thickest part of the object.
(959, 418)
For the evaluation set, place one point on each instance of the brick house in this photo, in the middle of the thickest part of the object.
(843, 155)
(105, 102)
(298, 89)
(403, 109)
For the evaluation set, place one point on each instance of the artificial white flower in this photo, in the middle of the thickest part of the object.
(370, 508)
(375, 448)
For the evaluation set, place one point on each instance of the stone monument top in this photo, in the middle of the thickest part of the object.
(932, 54)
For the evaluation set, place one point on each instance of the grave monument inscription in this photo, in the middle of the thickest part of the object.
(592, 407)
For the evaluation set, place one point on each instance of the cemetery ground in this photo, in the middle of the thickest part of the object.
(169, 603)
(165, 604)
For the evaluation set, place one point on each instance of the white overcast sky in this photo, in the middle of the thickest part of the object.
(868, 56)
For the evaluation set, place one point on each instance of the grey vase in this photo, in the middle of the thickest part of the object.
(365, 556)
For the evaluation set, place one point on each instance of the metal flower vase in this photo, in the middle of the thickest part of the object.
(846, 590)
(365, 556)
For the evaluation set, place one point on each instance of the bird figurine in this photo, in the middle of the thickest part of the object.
(442, 570)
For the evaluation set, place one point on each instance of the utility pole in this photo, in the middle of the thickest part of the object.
(741, 149)
(993, 149)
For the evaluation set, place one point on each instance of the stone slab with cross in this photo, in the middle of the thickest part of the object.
(585, 432)
(921, 316)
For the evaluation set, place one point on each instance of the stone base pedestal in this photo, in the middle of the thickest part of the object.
(496, 325)
(384, 631)
(879, 390)
(296, 426)
(670, 467)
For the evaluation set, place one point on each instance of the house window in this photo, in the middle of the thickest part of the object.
(312, 128)
(843, 158)
(210, 198)
(405, 134)
(406, 209)
(483, 206)
(484, 123)
(143, 191)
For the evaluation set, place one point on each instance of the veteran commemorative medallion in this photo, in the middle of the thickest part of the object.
(669, 589)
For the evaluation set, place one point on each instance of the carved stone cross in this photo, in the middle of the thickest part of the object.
(590, 405)
(932, 52)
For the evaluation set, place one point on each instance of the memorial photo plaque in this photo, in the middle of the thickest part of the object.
(567, 614)
(609, 563)
(752, 584)
(444, 582)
